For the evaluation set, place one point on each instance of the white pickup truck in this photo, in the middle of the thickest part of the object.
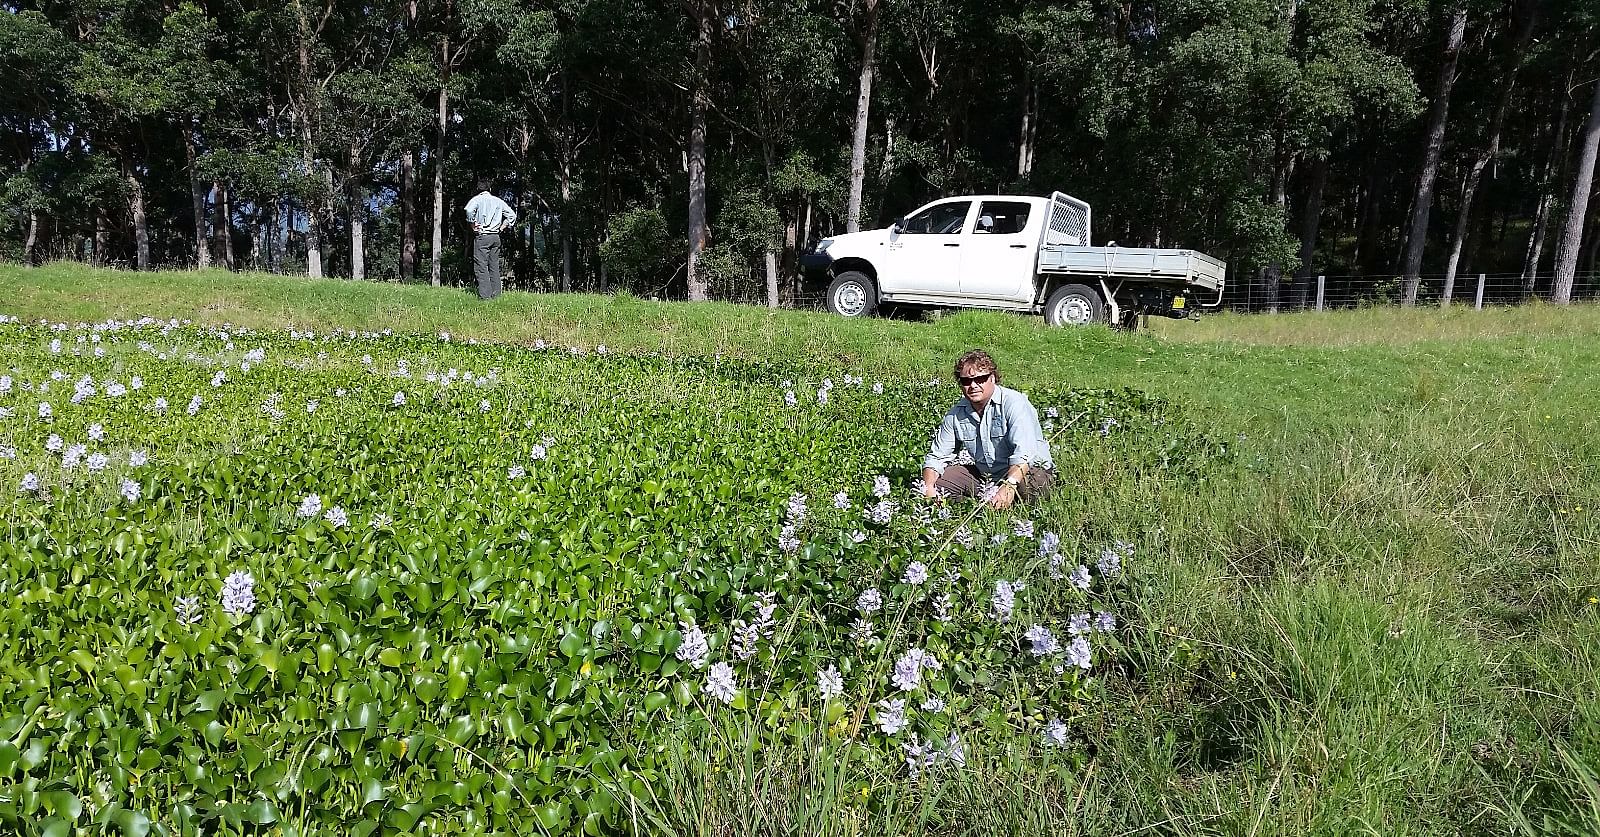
(1010, 253)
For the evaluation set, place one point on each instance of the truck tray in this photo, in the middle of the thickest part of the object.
(1188, 267)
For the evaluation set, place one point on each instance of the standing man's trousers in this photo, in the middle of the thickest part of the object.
(486, 264)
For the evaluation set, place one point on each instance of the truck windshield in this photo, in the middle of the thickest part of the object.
(940, 219)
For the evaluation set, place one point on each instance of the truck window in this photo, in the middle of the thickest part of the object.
(1003, 217)
(940, 219)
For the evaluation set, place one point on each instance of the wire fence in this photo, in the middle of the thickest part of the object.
(1340, 292)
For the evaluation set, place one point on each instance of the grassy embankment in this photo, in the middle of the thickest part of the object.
(1384, 622)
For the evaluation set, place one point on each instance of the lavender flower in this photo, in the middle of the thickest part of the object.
(194, 405)
(238, 593)
(919, 756)
(1078, 653)
(858, 536)
(744, 639)
(1004, 600)
(187, 609)
(97, 432)
(136, 382)
(789, 399)
(54, 444)
(877, 388)
(841, 501)
(219, 379)
(788, 540)
(44, 410)
(916, 573)
(1057, 561)
(822, 396)
(30, 482)
(933, 704)
(907, 672)
(943, 605)
(1055, 733)
(537, 453)
(1043, 641)
(869, 602)
(1078, 625)
(97, 462)
(310, 506)
(830, 683)
(337, 518)
(891, 716)
(516, 472)
(882, 512)
(719, 683)
(8, 451)
(1022, 528)
(861, 630)
(1107, 425)
(694, 648)
(796, 509)
(1080, 577)
(880, 486)
(399, 398)
(130, 491)
(137, 459)
(1110, 562)
(964, 536)
(1104, 622)
(159, 405)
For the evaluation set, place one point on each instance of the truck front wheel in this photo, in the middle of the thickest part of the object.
(853, 294)
(1074, 305)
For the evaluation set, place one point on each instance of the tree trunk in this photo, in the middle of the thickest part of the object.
(1568, 247)
(1534, 254)
(1438, 115)
(1030, 128)
(303, 115)
(197, 200)
(858, 143)
(1310, 226)
(700, 102)
(222, 224)
(358, 211)
(1469, 188)
(408, 215)
(141, 223)
(772, 278)
(31, 242)
(436, 270)
(565, 185)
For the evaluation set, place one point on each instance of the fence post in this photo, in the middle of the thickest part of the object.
(1477, 304)
(1321, 286)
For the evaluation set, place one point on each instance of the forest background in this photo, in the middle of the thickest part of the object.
(692, 149)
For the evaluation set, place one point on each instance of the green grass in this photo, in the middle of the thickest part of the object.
(1383, 622)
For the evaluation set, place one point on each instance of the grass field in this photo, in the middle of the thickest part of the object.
(1384, 618)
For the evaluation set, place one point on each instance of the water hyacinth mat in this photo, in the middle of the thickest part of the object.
(367, 583)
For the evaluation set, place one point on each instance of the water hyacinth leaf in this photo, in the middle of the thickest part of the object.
(571, 644)
(372, 790)
(55, 827)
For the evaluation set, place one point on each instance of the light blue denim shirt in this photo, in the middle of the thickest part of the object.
(1007, 434)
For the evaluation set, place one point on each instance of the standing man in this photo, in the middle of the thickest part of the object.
(991, 435)
(489, 216)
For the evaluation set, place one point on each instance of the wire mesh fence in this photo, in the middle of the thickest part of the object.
(1338, 292)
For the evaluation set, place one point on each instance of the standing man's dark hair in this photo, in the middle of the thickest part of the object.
(489, 216)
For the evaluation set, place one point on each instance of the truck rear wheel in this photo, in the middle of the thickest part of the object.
(853, 294)
(1074, 305)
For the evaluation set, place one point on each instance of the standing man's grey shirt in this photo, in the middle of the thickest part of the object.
(1008, 433)
(489, 214)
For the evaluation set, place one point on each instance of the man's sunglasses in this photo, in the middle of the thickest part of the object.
(975, 379)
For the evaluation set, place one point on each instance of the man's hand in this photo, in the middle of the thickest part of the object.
(1004, 497)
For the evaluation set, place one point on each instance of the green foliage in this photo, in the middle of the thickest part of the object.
(637, 245)
(485, 635)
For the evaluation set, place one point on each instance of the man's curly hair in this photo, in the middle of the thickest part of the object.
(977, 361)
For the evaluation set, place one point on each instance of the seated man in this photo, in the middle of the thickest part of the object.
(992, 434)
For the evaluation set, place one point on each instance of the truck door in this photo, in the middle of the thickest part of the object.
(925, 255)
(997, 260)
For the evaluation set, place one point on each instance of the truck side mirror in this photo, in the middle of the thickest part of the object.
(899, 225)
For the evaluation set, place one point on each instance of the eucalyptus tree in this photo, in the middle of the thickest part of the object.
(1438, 119)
